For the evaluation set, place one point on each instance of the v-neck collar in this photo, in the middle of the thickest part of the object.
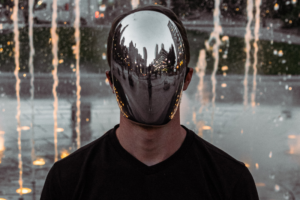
(157, 167)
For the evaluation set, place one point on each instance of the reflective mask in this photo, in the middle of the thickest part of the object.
(148, 67)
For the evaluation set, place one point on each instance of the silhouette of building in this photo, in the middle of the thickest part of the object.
(160, 60)
(179, 46)
(156, 50)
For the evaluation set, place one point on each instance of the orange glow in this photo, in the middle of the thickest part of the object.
(102, 15)
(2, 148)
(237, 9)
(104, 56)
(225, 38)
(290, 88)
(247, 165)
(39, 162)
(64, 153)
(223, 85)
(292, 151)
(256, 166)
(224, 68)
(135, 3)
(60, 130)
(87, 119)
(2, 199)
(60, 61)
(260, 184)
(97, 14)
(292, 136)
(23, 190)
(206, 128)
(25, 128)
(294, 144)
(270, 155)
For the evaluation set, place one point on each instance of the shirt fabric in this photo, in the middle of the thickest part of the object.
(104, 170)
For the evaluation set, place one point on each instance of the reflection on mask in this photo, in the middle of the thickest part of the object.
(148, 67)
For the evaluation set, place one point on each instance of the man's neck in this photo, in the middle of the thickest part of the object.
(151, 145)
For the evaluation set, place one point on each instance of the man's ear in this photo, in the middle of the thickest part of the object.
(188, 78)
(109, 78)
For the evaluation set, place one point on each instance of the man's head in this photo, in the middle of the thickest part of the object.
(169, 13)
(148, 54)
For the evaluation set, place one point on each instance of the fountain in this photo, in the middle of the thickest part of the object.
(256, 36)
(215, 35)
(54, 39)
(18, 81)
(31, 70)
(135, 4)
(77, 56)
(248, 37)
(200, 69)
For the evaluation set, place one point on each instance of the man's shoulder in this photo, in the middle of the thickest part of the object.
(85, 153)
(215, 155)
(219, 166)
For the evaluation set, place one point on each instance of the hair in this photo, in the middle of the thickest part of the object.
(169, 13)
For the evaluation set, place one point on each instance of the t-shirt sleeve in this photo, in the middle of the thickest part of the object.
(245, 187)
(52, 187)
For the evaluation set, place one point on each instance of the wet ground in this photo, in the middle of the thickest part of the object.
(262, 132)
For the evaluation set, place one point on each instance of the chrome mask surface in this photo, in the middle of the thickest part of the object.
(148, 67)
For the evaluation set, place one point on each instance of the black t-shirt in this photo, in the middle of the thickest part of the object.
(104, 170)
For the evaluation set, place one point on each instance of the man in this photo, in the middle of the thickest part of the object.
(149, 155)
